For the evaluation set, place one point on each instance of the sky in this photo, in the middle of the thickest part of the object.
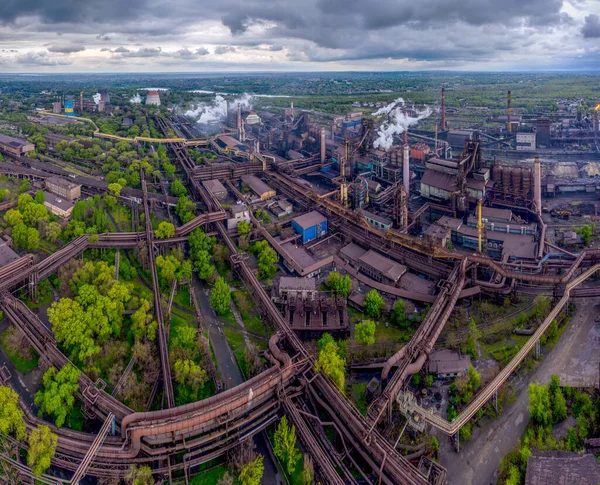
(298, 35)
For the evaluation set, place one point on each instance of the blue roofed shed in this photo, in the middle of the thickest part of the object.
(310, 225)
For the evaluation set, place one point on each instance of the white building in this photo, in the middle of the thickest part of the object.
(239, 212)
(525, 141)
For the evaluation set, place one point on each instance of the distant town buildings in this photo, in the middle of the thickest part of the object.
(153, 98)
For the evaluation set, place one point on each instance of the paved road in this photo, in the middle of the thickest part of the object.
(574, 358)
(230, 372)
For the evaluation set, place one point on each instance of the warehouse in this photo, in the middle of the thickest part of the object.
(216, 188)
(63, 188)
(257, 186)
(15, 146)
(438, 186)
(380, 268)
(58, 206)
(310, 226)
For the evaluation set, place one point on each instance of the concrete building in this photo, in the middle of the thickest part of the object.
(7, 255)
(457, 138)
(562, 468)
(239, 213)
(69, 111)
(260, 188)
(281, 208)
(15, 146)
(57, 107)
(216, 188)
(310, 225)
(352, 254)
(63, 188)
(303, 288)
(446, 363)
(542, 132)
(382, 269)
(525, 141)
(438, 186)
(57, 205)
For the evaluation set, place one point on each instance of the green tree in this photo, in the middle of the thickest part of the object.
(188, 373)
(110, 201)
(586, 233)
(365, 332)
(39, 197)
(559, 406)
(115, 189)
(202, 265)
(53, 230)
(514, 476)
(340, 285)
(244, 228)
(251, 473)
(178, 189)
(11, 416)
(398, 316)
(165, 230)
(539, 404)
(330, 362)
(142, 323)
(139, 475)
(13, 217)
(220, 296)
(42, 446)
(373, 304)
(285, 445)
(267, 263)
(57, 396)
(471, 343)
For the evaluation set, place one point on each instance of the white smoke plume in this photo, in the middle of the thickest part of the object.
(217, 110)
(97, 97)
(397, 123)
(137, 99)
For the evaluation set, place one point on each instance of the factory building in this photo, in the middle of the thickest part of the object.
(7, 255)
(310, 226)
(63, 188)
(445, 363)
(542, 132)
(457, 138)
(380, 268)
(525, 141)
(239, 213)
(252, 119)
(153, 98)
(257, 186)
(57, 107)
(290, 287)
(216, 188)
(438, 186)
(377, 221)
(15, 146)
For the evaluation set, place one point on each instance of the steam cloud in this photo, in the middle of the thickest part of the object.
(398, 122)
(137, 99)
(97, 97)
(217, 110)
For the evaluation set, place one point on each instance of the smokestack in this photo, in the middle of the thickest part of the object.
(406, 170)
(508, 123)
(81, 101)
(537, 185)
(239, 118)
(443, 109)
(323, 146)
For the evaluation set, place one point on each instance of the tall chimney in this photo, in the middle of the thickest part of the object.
(239, 118)
(443, 109)
(508, 123)
(323, 146)
(537, 185)
(80, 101)
(406, 170)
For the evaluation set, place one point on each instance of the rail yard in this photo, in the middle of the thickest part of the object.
(437, 233)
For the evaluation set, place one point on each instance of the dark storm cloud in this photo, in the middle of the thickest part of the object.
(143, 52)
(103, 37)
(66, 48)
(591, 27)
(224, 49)
(202, 51)
(275, 48)
(40, 59)
(121, 50)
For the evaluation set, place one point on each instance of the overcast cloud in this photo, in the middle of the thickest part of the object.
(196, 35)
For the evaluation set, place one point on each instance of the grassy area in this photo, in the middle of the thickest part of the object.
(357, 395)
(209, 477)
(505, 349)
(16, 356)
(43, 295)
(182, 297)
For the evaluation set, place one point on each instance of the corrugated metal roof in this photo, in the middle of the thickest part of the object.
(561, 467)
(291, 283)
(214, 186)
(257, 185)
(387, 267)
(440, 180)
